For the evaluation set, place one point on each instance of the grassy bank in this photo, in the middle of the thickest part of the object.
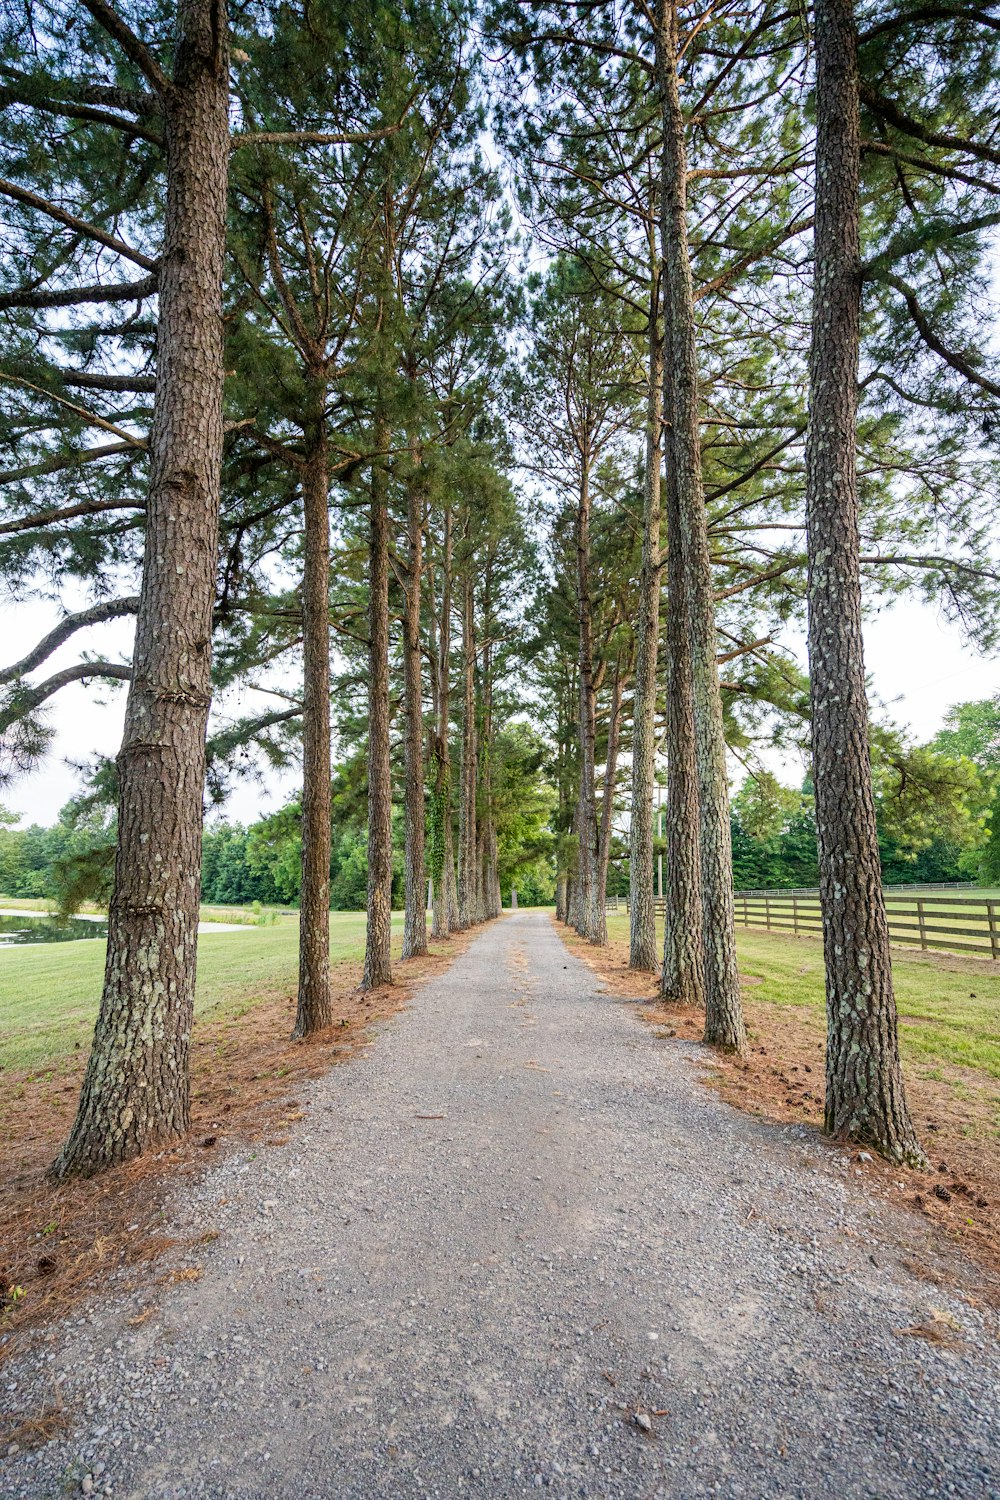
(49, 994)
(949, 1008)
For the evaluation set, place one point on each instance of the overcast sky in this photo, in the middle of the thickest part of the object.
(918, 665)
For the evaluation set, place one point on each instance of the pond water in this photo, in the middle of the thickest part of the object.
(37, 927)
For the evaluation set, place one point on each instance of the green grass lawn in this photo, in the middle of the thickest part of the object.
(49, 994)
(954, 1005)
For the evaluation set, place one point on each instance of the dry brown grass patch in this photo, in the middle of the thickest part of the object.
(35, 1431)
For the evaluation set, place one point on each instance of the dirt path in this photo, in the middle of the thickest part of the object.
(518, 1222)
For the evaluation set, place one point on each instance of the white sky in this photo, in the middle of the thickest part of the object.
(919, 665)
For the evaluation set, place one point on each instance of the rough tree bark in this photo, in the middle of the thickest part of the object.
(136, 1089)
(451, 883)
(642, 911)
(314, 1009)
(587, 804)
(724, 1025)
(467, 842)
(480, 901)
(865, 1098)
(600, 916)
(378, 962)
(491, 881)
(682, 979)
(415, 910)
(444, 871)
(562, 895)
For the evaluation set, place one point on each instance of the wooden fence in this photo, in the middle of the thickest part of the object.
(958, 924)
(962, 924)
(620, 903)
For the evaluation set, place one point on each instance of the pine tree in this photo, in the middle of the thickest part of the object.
(135, 1094)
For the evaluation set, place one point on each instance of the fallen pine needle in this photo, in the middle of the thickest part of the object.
(940, 1328)
(184, 1273)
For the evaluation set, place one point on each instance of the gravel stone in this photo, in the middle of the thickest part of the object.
(488, 1304)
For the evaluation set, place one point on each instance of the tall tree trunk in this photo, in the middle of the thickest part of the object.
(441, 814)
(562, 893)
(642, 911)
(491, 879)
(415, 913)
(682, 980)
(587, 806)
(573, 918)
(467, 844)
(314, 1008)
(600, 915)
(451, 883)
(724, 1026)
(865, 1098)
(444, 873)
(378, 941)
(481, 871)
(136, 1091)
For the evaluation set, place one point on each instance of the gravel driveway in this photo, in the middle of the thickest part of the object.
(512, 1228)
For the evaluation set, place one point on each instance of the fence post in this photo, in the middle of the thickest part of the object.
(767, 912)
(994, 935)
(920, 922)
(795, 914)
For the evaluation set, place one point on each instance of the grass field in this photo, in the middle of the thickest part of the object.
(949, 1007)
(49, 993)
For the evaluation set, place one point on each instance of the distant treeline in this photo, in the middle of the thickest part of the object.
(937, 808)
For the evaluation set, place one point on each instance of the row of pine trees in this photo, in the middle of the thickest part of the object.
(351, 330)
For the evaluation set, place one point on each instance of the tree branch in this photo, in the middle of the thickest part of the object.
(237, 734)
(905, 560)
(890, 112)
(70, 110)
(24, 700)
(108, 609)
(309, 137)
(40, 518)
(78, 226)
(929, 13)
(115, 291)
(958, 362)
(61, 461)
(81, 411)
(135, 50)
(135, 384)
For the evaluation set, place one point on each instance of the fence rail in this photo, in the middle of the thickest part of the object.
(956, 924)
(945, 922)
(620, 903)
